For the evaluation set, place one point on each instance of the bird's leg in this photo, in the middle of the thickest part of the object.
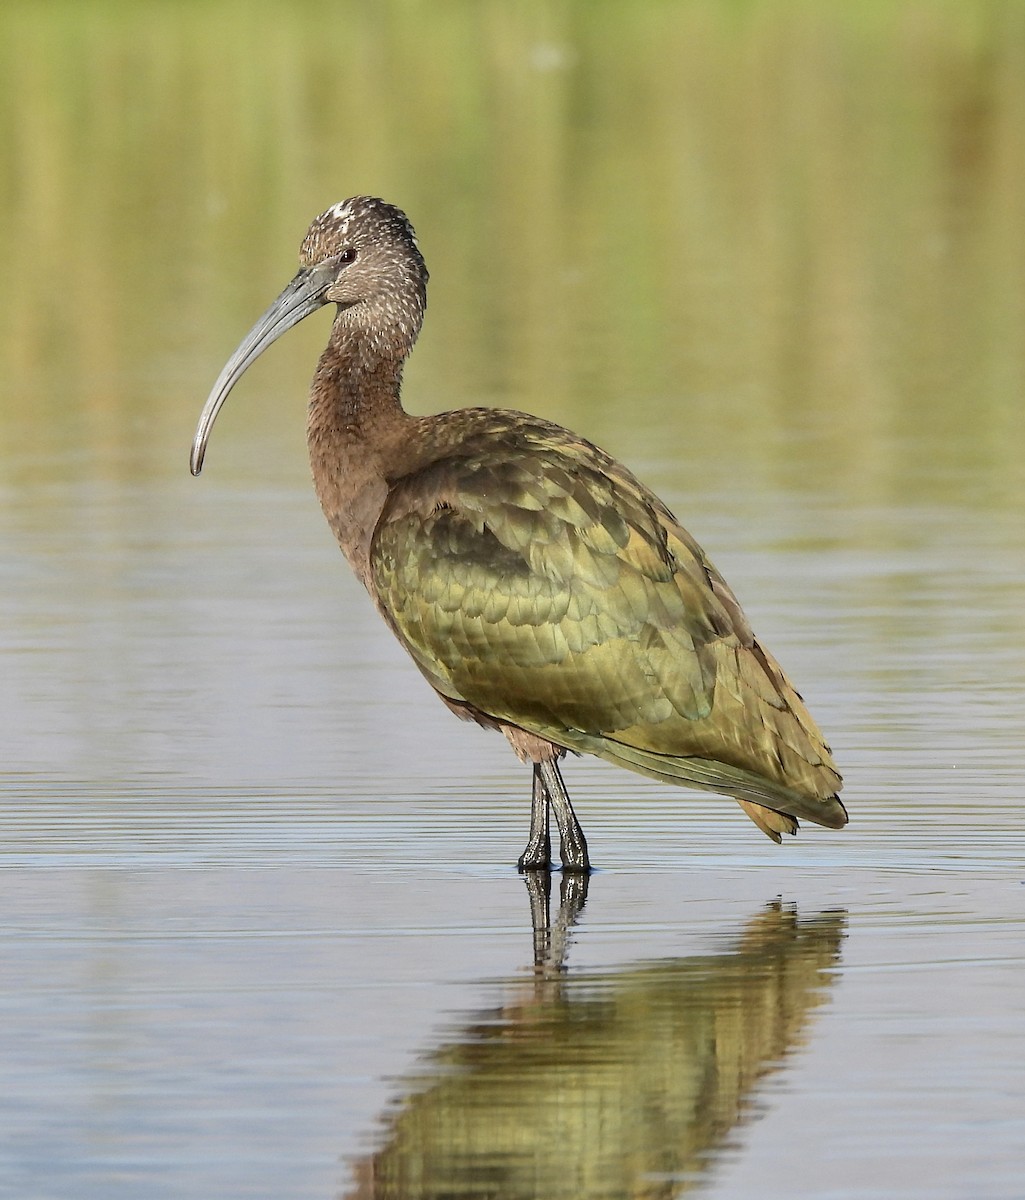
(538, 854)
(571, 837)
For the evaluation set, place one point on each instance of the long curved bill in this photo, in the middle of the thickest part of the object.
(305, 294)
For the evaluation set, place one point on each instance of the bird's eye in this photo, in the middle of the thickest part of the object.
(347, 256)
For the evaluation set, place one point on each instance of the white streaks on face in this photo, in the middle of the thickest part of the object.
(381, 287)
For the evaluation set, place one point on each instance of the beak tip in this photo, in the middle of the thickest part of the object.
(302, 296)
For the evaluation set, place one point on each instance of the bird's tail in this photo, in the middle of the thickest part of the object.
(774, 808)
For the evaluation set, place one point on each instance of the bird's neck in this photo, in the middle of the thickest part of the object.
(355, 426)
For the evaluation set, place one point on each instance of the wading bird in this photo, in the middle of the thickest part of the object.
(541, 589)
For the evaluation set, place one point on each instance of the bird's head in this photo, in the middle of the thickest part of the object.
(368, 250)
(360, 255)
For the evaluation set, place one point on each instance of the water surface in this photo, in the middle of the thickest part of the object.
(259, 930)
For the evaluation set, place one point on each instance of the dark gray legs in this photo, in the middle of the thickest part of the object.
(573, 845)
(538, 853)
(549, 789)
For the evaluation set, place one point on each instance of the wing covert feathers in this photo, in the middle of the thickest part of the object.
(534, 578)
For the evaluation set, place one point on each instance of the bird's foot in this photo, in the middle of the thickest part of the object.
(573, 851)
(523, 865)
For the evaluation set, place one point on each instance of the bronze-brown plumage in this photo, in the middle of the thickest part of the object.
(537, 584)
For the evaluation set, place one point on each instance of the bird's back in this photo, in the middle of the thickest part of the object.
(536, 580)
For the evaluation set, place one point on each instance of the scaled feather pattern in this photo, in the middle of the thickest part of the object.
(534, 578)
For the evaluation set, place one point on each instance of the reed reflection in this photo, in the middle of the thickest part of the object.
(624, 1083)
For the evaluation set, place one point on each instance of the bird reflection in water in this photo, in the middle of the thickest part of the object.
(621, 1083)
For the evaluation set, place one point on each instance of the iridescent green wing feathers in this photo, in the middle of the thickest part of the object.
(534, 578)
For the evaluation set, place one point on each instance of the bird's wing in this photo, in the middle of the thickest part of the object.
(534, 578)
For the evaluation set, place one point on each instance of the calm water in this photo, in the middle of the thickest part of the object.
(259, 931)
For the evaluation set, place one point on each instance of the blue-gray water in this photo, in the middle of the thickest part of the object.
(254, 876)
(260, 933)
